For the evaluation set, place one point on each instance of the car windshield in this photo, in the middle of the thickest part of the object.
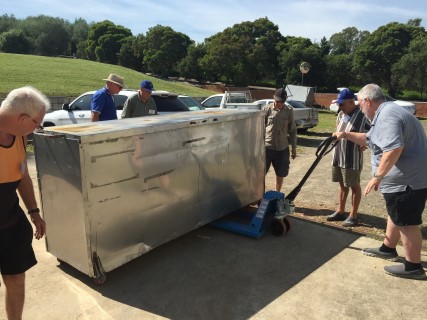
(192, 104)
(169, 104)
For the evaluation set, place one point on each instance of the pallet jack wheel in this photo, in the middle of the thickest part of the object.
(280, 227)
(287, 224)
(100, 280)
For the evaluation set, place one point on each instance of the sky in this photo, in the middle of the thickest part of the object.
(199, 19)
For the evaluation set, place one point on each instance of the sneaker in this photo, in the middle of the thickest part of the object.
(375, 252)
(399, 271)
(351, 222)
(336, 217)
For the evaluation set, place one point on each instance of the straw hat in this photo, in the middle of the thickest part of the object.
(114, 78)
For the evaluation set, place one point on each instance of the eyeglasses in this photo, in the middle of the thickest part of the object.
(38, 125)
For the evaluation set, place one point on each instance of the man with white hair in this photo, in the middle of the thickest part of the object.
(398, 146)
(20, 114)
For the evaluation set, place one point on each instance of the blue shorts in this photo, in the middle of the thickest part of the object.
(16, 252)
(406, 208)
(279, 160)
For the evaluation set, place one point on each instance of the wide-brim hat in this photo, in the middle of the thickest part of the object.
(114, 78)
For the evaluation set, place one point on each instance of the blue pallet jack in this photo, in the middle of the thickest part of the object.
(273, 207)
(253, 222)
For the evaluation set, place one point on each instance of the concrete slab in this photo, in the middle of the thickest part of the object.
(313, 272)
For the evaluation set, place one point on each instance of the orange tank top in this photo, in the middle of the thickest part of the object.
(12, 161)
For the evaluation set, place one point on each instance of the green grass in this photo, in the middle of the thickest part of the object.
(327, 120)
(71, 77)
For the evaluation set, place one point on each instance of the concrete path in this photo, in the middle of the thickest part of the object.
(313, 272)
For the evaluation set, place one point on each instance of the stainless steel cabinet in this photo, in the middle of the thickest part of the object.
(111, 191)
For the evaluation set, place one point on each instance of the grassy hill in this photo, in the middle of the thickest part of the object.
(71, 77)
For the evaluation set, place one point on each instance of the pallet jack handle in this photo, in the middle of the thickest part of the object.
(323, 149)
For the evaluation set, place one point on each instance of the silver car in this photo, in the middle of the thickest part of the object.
(305, 118)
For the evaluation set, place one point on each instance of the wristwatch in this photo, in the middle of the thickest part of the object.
(377, 177)
(35, 210)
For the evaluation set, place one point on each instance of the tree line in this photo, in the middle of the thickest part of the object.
(248, 53)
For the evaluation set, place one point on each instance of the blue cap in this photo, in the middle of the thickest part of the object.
(147, 85)
(344, 94)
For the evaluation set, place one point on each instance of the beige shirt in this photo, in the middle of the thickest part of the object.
(280, 128)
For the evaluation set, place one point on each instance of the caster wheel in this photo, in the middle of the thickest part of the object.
(280, 227)
(100, 280)
(277, 227)
(287, 224)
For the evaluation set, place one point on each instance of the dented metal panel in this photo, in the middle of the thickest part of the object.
(121, 188)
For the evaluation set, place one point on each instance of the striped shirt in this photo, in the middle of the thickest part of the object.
(347, 154)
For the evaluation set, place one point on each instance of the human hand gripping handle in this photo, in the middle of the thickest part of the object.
(40, 225)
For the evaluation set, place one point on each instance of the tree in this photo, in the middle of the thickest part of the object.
(131, 53)
(375, 57)
(190, 66)
(339, 72)
(14, 41)
(163, 49)
(411, 70)
(79, 33)
(295, 51)
(325, 47)
(243, 54)
(414, 22)
(347, 41)
(50, 36)
(105, 40)
(8, 23)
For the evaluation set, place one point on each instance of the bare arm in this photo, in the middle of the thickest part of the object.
(356, 137)
(388, 160)
(94, 116)
(26, 190)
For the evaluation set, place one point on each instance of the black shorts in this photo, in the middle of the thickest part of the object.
(280, 161)
(16, 252)
(406, 208)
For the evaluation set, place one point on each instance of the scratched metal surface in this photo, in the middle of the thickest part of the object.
(122, 188)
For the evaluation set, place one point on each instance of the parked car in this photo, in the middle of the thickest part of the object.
(78, 111)
(305, 118)
(191, 103)
(214, 101)
(405, 104)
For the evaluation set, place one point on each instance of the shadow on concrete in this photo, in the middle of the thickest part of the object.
(366, 220)
(213, 274)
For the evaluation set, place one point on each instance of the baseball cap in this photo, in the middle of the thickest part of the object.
(147, 85)
(344, 94)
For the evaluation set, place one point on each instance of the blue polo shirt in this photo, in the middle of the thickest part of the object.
(103, 103)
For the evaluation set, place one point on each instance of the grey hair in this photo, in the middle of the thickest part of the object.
(26, 100)
(371, 91)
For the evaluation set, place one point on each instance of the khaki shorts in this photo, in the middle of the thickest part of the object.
(349, 177)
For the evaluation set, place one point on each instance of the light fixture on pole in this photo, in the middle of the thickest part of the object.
(304, 68)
